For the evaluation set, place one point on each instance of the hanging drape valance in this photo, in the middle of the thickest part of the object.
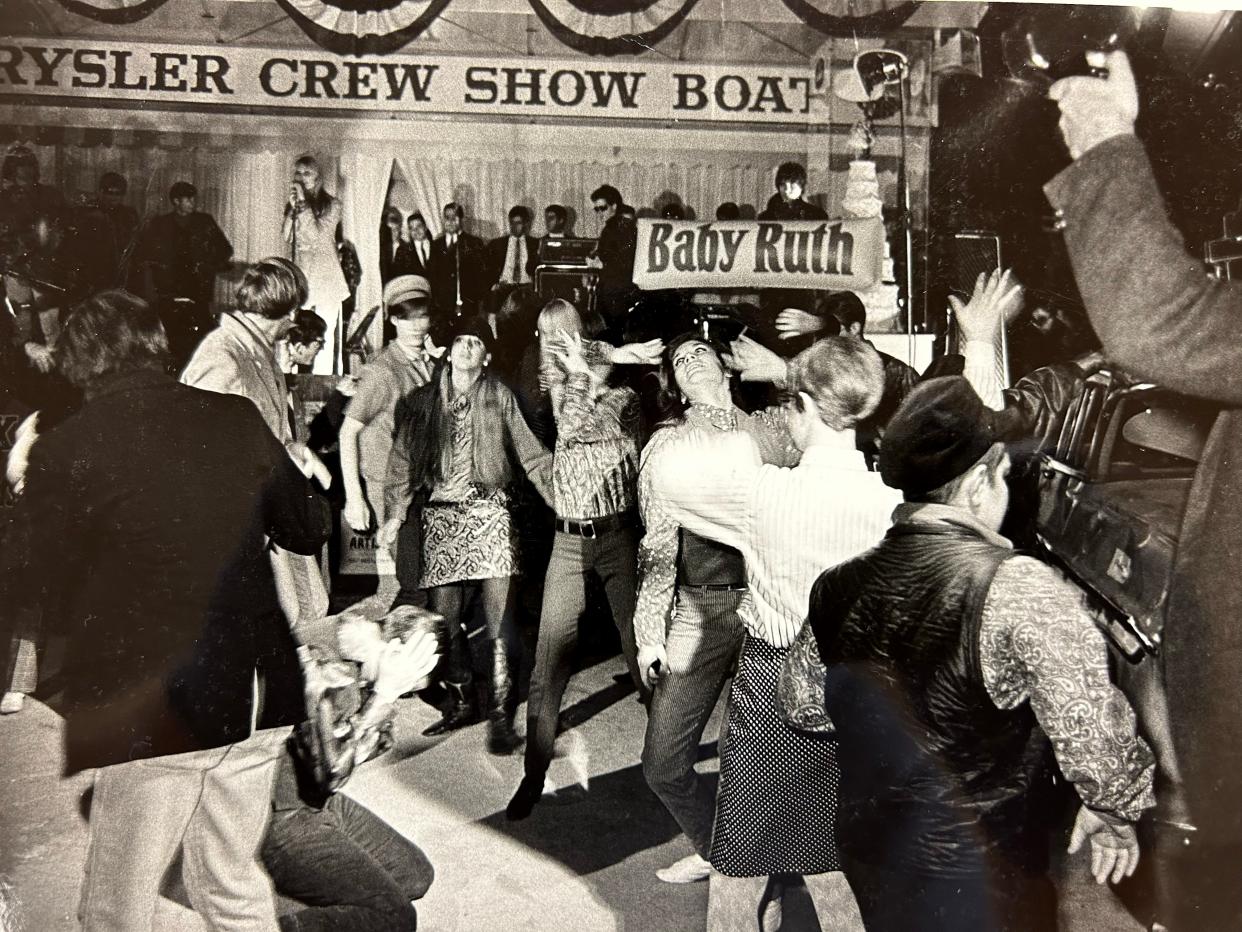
(852, 17)
(596, 27)
(113, 11)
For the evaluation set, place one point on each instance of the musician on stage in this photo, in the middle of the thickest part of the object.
(312, 217)
(176, 261)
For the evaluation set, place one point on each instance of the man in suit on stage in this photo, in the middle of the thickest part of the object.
(458, 272)
(512, 259)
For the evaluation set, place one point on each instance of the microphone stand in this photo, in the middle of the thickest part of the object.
(907, 218)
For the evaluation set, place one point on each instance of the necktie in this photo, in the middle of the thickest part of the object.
(516, 275)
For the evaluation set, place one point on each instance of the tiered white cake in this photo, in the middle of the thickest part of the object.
(862, 200)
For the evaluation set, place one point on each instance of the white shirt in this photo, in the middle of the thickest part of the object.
(789, 524)
(514, 272)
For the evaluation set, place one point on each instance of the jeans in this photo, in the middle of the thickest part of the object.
(703, 642)
(213, 806)
(350, 868)
(614, 557)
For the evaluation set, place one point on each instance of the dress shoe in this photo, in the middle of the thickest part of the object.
(523, 801)
(690, 869)
(460, 714)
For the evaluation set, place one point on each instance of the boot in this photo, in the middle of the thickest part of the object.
(460, 711)
(501, 738)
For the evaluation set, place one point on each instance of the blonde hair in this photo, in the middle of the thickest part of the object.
(845, 377)
(559, 314)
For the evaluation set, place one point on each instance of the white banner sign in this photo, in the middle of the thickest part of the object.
(835, 254)
(208, 76)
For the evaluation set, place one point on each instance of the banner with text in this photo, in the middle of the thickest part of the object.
(835, 254)
(282, 78)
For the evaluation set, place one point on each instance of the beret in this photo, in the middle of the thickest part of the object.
(940, 431)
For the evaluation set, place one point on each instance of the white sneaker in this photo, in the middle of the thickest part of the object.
(690, 869)
(11, 703)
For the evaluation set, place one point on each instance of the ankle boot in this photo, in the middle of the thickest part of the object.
(501, 738)
(460, 712)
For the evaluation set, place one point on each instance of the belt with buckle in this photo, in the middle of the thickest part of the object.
(593, 527)
(714, 587)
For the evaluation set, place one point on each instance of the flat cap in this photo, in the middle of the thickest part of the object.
(406, 288)
(940, 431)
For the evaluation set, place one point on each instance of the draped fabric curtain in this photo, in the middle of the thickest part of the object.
(486, 189)
(364, 187)
(244, 190)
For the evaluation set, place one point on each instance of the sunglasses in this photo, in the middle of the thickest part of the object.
(600, 208)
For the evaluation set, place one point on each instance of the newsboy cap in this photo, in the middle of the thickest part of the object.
(940, 431)
(406, 288)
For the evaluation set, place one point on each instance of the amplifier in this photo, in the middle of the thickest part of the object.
(562, 250)
(576, 284)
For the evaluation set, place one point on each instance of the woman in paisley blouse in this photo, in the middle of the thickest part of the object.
(463, 450)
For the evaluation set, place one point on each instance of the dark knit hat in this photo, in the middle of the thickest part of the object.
(940, 431)
(470, 325)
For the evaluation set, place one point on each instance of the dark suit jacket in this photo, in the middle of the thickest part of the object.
(1160, 316)
(404, 262)
(498, 249)
(159, 576)
(469, 255)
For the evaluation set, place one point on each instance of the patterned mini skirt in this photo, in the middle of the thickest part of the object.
(471, 539)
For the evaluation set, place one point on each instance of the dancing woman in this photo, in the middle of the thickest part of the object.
(462, 447)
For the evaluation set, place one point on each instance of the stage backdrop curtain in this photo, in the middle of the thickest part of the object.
(364, 186)
(243, 189)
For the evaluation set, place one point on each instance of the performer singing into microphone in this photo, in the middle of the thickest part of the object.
(312, 217)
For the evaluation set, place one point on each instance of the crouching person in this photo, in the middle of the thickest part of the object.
(345, 866)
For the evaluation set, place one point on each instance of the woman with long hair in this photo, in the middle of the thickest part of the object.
(312, 217)
(462, 448)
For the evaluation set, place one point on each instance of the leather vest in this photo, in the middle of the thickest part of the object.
(703, 562)
(934, 775)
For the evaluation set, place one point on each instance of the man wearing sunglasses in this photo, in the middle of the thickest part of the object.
(614, 257)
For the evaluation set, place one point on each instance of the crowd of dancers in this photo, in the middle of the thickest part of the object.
(911, 703)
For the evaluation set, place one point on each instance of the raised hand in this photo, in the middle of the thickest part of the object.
(996, 298)
(793, 322)
(756, 363)
(638, 354)
(1096, 109)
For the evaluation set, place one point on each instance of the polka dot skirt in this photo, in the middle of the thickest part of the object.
(776, 809)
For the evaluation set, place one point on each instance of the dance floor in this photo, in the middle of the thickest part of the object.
(583, 862)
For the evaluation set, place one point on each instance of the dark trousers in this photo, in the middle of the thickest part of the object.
(349, 868)
(613, 556)
(409, 560)
(897, 899)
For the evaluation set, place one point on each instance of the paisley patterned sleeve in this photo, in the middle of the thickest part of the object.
(657, 551)
(1038, 642)
(800, 691)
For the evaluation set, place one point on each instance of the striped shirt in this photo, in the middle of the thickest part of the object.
(789, 524)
